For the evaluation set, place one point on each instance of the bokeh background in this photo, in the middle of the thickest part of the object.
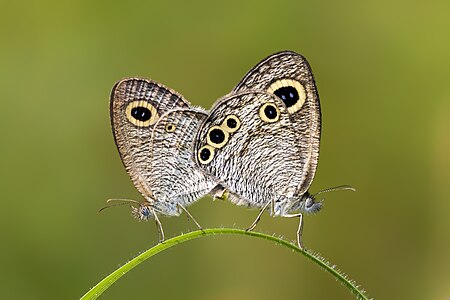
(382, 69)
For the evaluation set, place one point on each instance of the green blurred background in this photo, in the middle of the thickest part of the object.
(382, 70)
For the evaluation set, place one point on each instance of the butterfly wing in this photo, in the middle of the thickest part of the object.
(248, 143)
(135, 107)
(288, 75)
(175, 176)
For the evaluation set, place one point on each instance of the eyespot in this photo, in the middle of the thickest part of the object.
(205, 154)
(141, 113)
(291, 91)
(217, 137)
(231, 124)
(269, 113)
(170, 127)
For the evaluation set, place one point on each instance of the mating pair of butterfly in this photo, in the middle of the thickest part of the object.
(259, 144)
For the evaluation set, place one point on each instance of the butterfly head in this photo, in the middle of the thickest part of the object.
(143, 212)
(308, 202)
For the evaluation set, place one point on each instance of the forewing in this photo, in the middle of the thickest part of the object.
(289, 76)
(135, 107)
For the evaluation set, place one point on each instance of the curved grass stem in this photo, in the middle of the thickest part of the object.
(97, 290)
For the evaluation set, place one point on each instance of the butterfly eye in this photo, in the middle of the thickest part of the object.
(217, 137)
(269, 113)
(141, 113)
(205, 154)
(291, 92)
(231, 124)
(170, 127)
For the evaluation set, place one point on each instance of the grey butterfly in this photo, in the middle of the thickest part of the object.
(262, 140)
(154, 128)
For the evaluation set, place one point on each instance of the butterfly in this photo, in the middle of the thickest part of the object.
(154, 129)
(261, 141)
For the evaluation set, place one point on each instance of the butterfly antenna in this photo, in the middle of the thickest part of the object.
(122, 202)
(336, 188)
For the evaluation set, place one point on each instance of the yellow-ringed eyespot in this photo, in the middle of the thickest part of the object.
(291, 91)
(269, 112)
(217, 137)
(170, 127)
(231, 124)
(141, 113)
(205, 154)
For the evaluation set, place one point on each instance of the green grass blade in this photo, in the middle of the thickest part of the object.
(97, 290)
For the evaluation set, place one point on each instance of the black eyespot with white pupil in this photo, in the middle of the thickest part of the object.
(205, 154)
(141, 113)
(288, 94)
(170, 127)
(231, 123)
(216, 136)
(270, 112)
(291, 92)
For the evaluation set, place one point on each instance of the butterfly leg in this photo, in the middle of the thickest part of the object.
(299, 230)
(258, 217)
(190, 216)
(159, 226)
